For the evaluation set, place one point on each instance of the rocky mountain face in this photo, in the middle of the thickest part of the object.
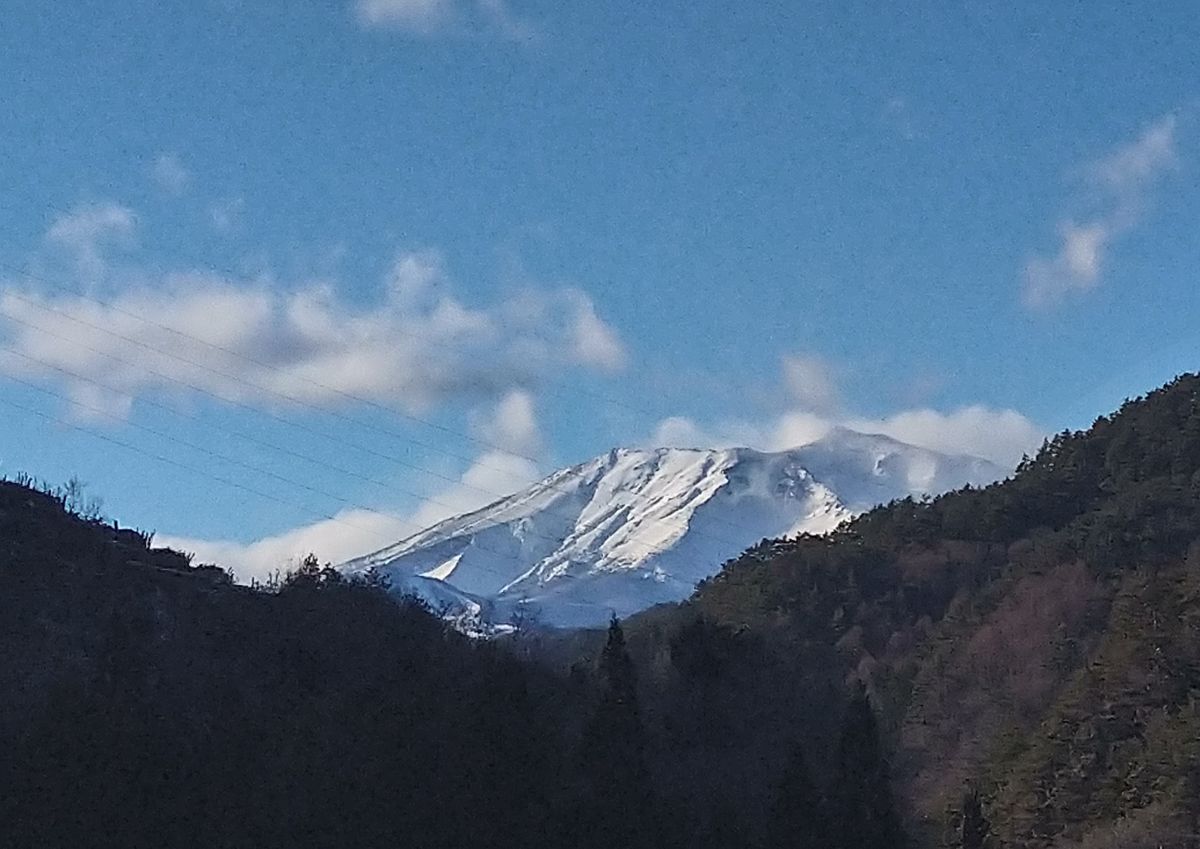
(638, 527)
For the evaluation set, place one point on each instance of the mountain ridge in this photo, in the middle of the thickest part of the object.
(636, 527)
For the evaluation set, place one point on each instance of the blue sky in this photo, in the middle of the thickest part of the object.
(408, 254)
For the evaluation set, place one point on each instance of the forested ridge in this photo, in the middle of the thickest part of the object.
(1032, 644)
(148, 703)
(1011, 666)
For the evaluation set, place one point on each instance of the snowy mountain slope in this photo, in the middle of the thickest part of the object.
(634, 528)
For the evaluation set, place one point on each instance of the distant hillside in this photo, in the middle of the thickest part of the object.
(1039, 639)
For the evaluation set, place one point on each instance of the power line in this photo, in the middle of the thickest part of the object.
(236, 276)
(264, 443)
(220, 479)
(254, 410)
(284, 396)
(169, 460)
(222, 457)
(325, 387)
(235, 378)
(100, 411)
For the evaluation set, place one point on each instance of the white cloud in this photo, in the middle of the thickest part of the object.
(355, 532)
(512, 431)
(1075, 268)
(1121, 182)
(420, 16)
(170, 174)
(496, 473)
(787, 430)
(88, 229)
(794, 428)
(421, 346)
(682, 432)
(594, 342)
(1132, 168)
(225, 215)
(415, 278)
(810, 382)
(513, 425)
(999, 435)
(430, 17)
(493, 475)
(349, 534)
(91, 403)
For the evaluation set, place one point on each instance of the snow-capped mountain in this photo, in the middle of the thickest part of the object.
(637, 527)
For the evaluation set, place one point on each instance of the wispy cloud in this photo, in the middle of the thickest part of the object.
(899, 117)
(512, 426)
(170, 174)
(432, 17)
(1120, 185)
(810, 382)
(348, 534)
(88, 230)
(999, 435)
(226, 215)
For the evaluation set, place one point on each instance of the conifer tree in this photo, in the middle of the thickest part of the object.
(798, 814)
(974, 828)
(863, 810)
(618, 806)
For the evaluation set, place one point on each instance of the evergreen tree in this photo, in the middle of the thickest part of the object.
(863, 809)
(798, 814)
(974, 829)
(617, 809)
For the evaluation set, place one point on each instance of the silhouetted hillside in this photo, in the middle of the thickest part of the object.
(147, 703)
(1037, 639)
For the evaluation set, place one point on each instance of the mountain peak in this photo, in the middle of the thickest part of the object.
(641, 526)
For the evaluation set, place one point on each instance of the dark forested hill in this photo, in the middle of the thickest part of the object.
(1028, 653)
(146, 703)
(1038, 640)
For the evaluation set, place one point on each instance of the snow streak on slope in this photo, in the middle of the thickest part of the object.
(635, 528)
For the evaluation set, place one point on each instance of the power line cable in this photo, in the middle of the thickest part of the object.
(216, 455)
(259, 387)
(236, 276)
(291, 399)
(262, 443)
(168, 460)
(324, 387)
(222, 457)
